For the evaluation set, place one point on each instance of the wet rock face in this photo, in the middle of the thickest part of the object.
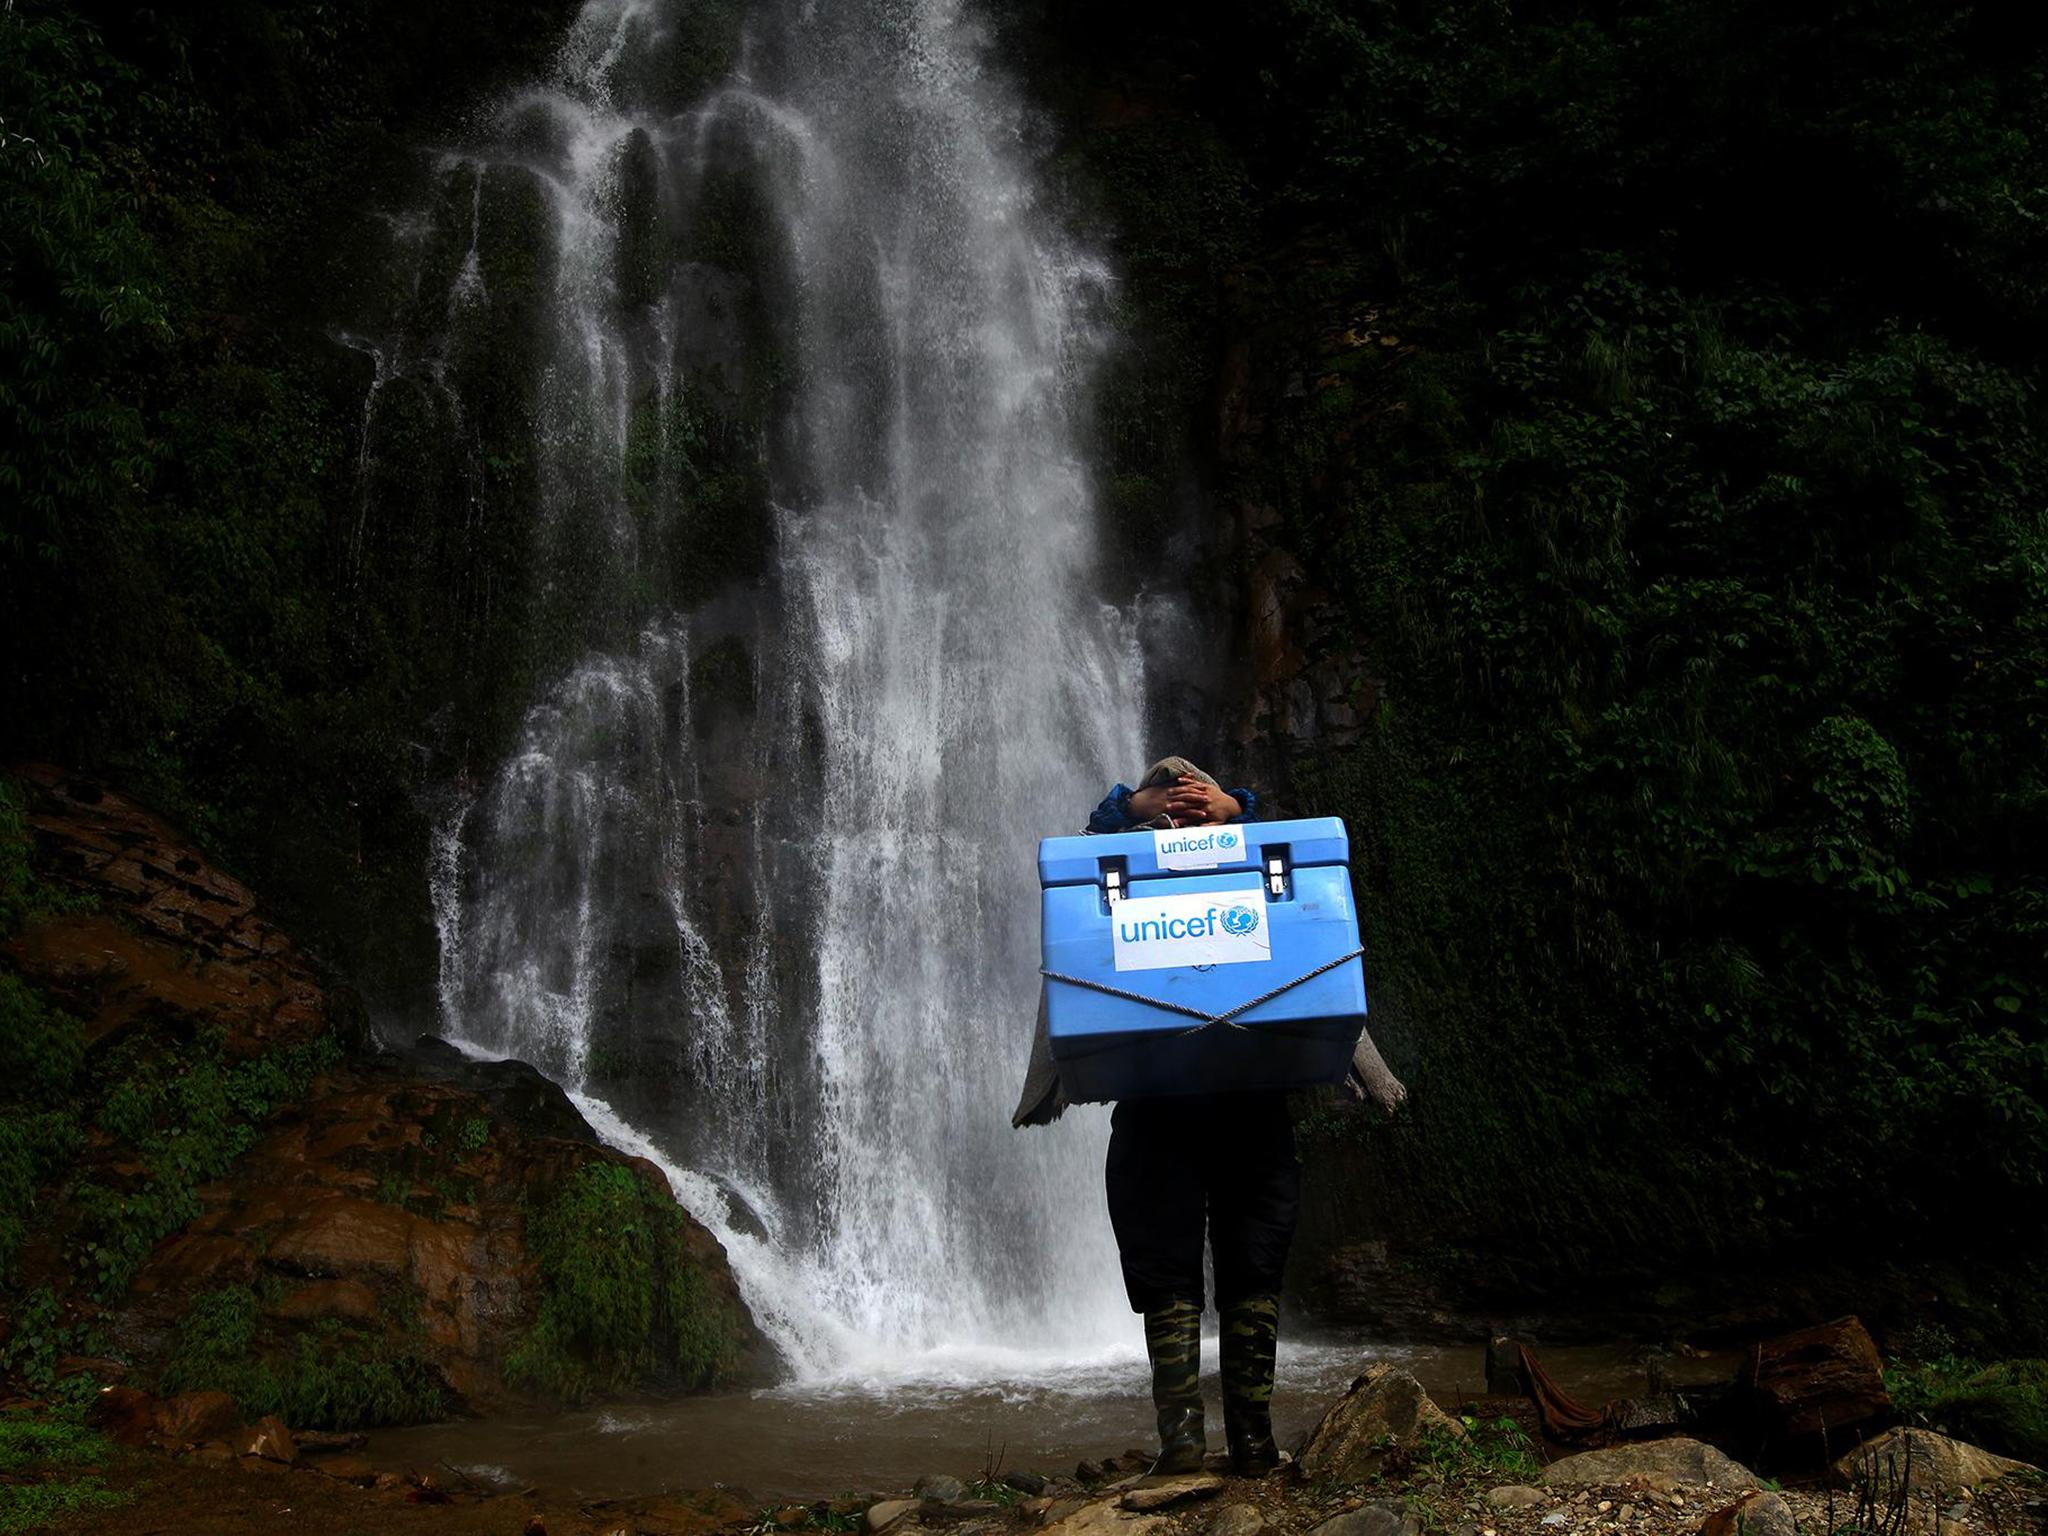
(358, 1241)
(399, 1214)
(163, 938)
(531, 1103)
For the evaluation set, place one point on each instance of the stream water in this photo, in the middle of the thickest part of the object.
(879, 1430)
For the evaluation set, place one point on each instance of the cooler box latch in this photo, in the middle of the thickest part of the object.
(1113, 881)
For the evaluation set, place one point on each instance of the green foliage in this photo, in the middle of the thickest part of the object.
(2002, 1407)
(17, 878)
(23, 897)
(41, 1052)
(1491, 1451)
(622, 1298)
(993, 1491)
(54, 1450)
(38, 1339)
(76, 289)
(188, 1115)
(1666, 442)
(179, 434)
(333, 1375)
(29, 1440)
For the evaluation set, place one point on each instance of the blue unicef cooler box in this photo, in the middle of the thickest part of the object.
(1155, 942)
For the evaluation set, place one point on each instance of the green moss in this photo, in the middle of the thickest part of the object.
(333, 1375)
(623, 1301)
(43, 1470)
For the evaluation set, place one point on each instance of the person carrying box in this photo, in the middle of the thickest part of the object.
(1183, 1162)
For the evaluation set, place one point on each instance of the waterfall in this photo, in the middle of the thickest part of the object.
(753, 339)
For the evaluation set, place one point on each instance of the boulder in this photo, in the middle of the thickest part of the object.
(1517, 1496)
(387, 1209)
(197, 1416)
(1168, 1492)
(938, 1485)
(1919, 1462)
(125, 1415)
(1761, 1513)
(1384, 1410)
(1102, 1517)
(269, 1440)
(327, 1298)
(1388, 1517)
(355, 1470)
(1686, 1463)
(885, 1514)
(1237, 1520)
(520, 1094)
(1031, 1484)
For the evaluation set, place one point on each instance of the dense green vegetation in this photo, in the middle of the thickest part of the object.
(1653, 390)
(190, 200)
(2002, 1406)
(335, 1375)
(623, 1303)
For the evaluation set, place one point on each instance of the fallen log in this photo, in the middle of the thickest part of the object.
(1818, 1388)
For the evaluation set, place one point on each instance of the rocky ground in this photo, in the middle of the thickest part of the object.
(1384, 1462)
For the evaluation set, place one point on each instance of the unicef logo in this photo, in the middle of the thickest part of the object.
(1226, 840)
(1239, 921)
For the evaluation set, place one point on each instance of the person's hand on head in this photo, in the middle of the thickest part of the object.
(1192, 803)
(1146, 804)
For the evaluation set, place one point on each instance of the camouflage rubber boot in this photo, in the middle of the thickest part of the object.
(1173, 1338)
(1250, 1335)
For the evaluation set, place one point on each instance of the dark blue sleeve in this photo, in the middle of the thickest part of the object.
(1249, 801)
(1114, 814)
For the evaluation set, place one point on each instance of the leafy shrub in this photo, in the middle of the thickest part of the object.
(333, 1375)
(188, 1115)
(41, 1052)
(622, 1299)
(2002, 1407)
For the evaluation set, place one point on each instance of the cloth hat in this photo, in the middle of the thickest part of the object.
(1167, 769)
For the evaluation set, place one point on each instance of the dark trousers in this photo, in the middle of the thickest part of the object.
(1226, 1159)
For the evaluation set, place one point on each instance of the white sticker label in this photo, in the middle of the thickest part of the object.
(1152, 933)
(1198, 847)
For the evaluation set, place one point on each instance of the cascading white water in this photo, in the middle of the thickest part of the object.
(793, 940)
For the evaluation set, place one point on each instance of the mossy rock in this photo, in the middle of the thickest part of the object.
(633, 1292)
(331, 1375)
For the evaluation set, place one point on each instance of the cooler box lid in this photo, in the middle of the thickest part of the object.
(1240, 847)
